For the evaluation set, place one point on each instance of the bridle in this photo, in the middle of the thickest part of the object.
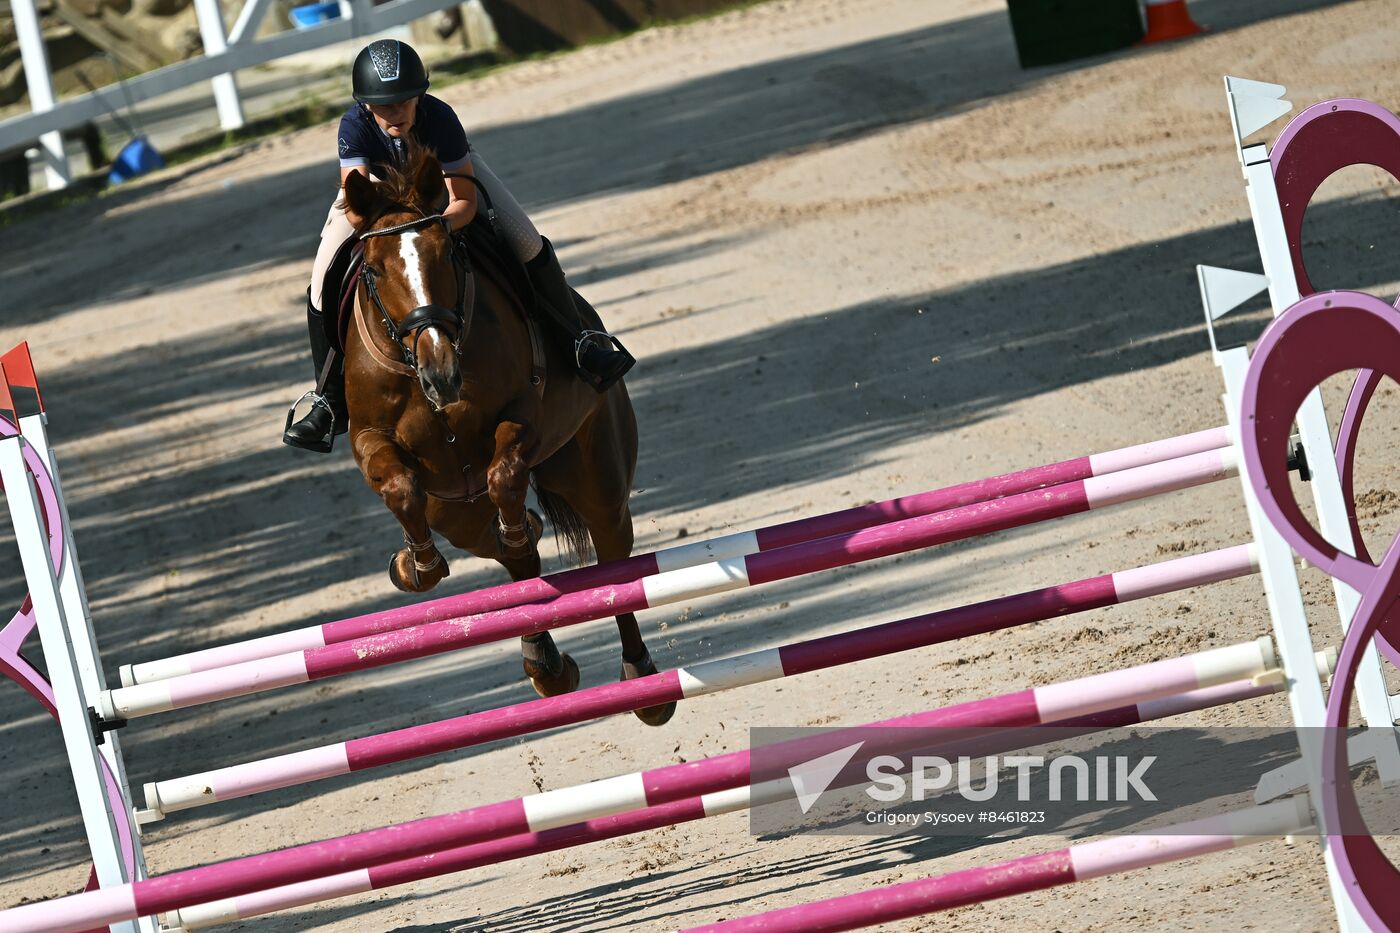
(423, 316)
(429, 315)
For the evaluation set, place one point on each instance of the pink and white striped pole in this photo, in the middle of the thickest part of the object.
(1031, 873)
(229, 783)
(739, 544)
(566, 806)
(669, 587)
(379, 877)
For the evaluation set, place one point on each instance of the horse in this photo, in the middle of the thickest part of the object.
(451, 419)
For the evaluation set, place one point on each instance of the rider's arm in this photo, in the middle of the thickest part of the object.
(355, 143)
(461, 207)
(449, 140)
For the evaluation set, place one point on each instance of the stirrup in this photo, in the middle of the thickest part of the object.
(326, 444)
(620, 365)
(601, 337)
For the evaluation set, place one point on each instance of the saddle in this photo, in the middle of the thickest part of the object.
(476, 249)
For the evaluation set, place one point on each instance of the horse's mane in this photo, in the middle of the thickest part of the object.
(397, 183)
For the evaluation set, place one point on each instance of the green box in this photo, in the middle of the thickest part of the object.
(1051, 31)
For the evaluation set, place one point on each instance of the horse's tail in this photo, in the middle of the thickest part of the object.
(568, 526)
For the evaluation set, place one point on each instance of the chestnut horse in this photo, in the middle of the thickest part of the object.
(449, 429)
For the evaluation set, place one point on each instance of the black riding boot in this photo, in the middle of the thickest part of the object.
(327, 418)
(600, 357)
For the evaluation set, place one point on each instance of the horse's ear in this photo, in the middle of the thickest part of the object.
(428, 184)
(362, 200)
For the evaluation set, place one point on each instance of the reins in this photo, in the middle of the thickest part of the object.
(409, 227)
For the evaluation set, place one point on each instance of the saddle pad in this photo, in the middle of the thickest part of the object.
(338, 292)
(489, 254)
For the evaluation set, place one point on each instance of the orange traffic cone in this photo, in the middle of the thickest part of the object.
(1167, 20)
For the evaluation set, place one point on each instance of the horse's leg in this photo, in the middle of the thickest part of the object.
(418, 566)
(473, 527)
(593, 474)
(507, 483)
(613, 541)
(551, 671)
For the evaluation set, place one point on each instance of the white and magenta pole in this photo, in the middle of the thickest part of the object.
(739, 544)
(379, 877)
(361, 754)
(125, 703)
(566, 806)
(1031, 873)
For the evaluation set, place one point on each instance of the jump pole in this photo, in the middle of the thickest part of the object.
(739, 544)
(784, 563)
(379, 877)
(361, 754)
(566, 806)
(1081, 862)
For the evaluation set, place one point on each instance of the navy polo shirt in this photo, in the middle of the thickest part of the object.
(436, 127)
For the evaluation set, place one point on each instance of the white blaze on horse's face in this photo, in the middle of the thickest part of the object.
(432, 337)
(438, 373)
(413, 268)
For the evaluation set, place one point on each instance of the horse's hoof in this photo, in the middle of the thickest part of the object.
(651, 715)
(416, 581)
(394, 575)
(566, 681)
(656, 715)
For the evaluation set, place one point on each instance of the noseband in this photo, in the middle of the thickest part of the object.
(423, 316)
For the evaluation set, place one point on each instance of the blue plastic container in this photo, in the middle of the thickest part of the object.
(314, 14)
(136, 158)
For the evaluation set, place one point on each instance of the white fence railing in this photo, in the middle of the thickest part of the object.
(225, 54)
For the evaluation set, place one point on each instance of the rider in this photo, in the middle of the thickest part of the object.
(392, 107)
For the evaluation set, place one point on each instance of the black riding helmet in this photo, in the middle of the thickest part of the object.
(388, 71)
